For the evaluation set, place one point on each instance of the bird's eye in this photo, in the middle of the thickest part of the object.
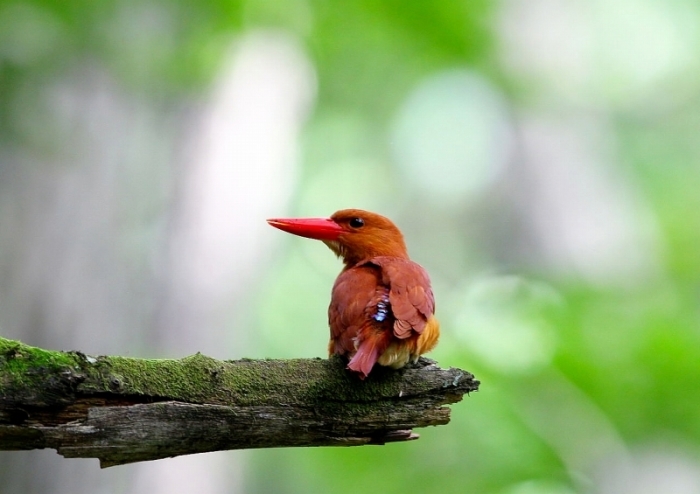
(357, 223)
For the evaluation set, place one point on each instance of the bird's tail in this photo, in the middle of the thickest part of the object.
(372, 342)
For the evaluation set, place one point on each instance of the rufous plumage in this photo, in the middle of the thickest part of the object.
(382, 305)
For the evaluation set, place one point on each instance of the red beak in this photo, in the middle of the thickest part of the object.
(316, 228)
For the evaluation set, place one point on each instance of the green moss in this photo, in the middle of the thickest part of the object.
(44, 377)
(189, 379)
(38, 376)
(20, 362)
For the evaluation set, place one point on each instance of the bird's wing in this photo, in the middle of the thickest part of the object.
(410, 295)
(356, 300)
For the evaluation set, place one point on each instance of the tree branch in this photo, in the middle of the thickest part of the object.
(123, 410)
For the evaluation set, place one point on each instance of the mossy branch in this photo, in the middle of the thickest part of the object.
(123, 410)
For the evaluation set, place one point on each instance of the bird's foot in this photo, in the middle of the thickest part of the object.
(419, 363)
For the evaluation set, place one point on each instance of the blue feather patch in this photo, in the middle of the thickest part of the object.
(382, 311)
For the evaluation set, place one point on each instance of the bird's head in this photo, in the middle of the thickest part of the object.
(353, 234)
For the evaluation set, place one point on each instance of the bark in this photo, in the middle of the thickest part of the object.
(124, 410)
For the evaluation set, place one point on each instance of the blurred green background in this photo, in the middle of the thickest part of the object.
(541, 156)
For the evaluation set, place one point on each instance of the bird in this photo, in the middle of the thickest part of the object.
(382, 308)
